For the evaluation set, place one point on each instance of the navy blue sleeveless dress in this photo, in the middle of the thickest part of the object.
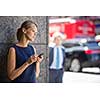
(22, 55)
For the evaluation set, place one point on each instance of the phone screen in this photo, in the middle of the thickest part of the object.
(40, 55)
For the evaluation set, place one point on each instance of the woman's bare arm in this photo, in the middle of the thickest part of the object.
(37, 69)
(37, 65)
(11, 65)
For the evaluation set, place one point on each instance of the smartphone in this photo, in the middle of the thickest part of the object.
(40, 55)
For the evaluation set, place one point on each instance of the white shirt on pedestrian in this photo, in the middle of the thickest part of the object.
(53, 65)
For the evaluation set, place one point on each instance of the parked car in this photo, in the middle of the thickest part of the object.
(81, 53)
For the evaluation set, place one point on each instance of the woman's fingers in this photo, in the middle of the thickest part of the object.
(35, 58)
(40, 59)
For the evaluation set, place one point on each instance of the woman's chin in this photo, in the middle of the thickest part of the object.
(32, 40)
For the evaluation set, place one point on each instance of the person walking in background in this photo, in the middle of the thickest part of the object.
(56, 61)
(23, 65)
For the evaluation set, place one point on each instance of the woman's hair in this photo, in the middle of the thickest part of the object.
(27, 24)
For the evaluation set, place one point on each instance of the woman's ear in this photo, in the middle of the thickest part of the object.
(24, 30)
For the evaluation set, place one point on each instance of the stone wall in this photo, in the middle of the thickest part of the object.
(8, 28)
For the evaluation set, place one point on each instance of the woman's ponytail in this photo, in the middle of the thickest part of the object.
(19, 34)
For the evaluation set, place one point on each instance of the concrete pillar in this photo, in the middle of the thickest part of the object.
(8, 28)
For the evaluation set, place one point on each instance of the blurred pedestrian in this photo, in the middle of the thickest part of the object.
(23, 62)
(56, 61)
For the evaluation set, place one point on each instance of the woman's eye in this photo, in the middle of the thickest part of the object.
(33, 31)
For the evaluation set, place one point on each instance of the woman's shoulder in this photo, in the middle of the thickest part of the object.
(33, 48)
(11, 49)
(12, 46)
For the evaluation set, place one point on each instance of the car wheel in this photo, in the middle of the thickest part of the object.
(67, 64)
(75, 65)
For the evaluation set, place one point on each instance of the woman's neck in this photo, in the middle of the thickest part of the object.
(23, 43)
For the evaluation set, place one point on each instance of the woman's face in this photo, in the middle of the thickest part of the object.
(31, 32)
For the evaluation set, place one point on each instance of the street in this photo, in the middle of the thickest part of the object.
(90, 75)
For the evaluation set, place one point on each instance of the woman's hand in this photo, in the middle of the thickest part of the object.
(32, 59)
(39, 59)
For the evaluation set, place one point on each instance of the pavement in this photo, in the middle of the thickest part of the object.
(88, 75)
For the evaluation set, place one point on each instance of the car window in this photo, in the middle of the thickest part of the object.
(69, 45)
(89, 44)
(92, 45)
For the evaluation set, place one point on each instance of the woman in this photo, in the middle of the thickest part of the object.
(23, 63)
